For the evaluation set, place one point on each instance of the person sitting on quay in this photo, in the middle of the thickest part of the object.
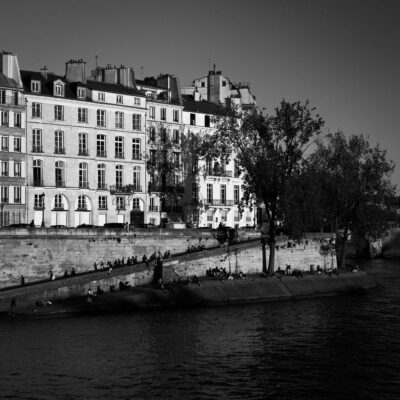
(89, 295)
(319, 270)
(230, 276)
(95, 266)
(22, 280)
(101, 265)
(242, 275)
(144, 258)
(195, 280)
(66, 274)
(73, 272)
(288, 270)
(99, 290)
(51, 275)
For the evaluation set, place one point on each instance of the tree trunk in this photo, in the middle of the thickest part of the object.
(344, 247)
(264, 256)
(272, 243)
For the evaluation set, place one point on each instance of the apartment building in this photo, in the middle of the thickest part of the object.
(12, 142)
(85, 146)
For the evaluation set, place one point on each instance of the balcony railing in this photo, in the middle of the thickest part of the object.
(17, 200)
(12, 101)
(119, 155)
(60, 183)
(136, 156)
(101, 186)
(83, 185)
(4, 173)
(153, 208)
(217, 172)
(17, 149)
(101, 153)
(4, 148)
(37, 149)
(83, 153)
(127, 189)
(219, 202)
(38, 182)
(59, 150)
(4, 200)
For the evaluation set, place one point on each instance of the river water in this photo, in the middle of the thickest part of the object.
(344, 347)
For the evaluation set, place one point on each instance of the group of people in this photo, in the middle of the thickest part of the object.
(194, 248)
(222, 273)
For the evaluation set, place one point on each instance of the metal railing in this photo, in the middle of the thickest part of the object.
(136, 156)
(12, 100)
(60, 183)
(214, 172)
(101, 186)
(127, 189)
(37, 149)
(219, 202)
(59, 150)
(153, 208)
(101, 153)
(83, 185)
(119, 155)
(38, 182)
(83, 153)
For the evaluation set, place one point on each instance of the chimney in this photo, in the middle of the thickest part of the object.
(44, 71)
(196, 95)
(9, 66)
(75, 71)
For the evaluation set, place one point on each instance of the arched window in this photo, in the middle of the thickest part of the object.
(58, 202)
(37, 173)
(83, 176)
(82, 204)
(83, 144)
(136, 178)
(60, 181)
(101, 177)
(119, 169)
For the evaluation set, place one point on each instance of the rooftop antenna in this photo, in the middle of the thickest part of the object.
(209, 63)
(141, 71)
(96, 61)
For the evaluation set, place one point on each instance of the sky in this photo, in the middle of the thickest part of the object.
(341, 55)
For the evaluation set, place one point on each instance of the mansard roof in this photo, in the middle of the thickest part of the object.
(114, 88)
(203, 106)
(6, 82)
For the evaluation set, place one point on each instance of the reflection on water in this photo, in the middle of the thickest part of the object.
(335, 347)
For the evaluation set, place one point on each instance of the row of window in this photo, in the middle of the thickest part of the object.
(12, 98)
(222, 200)
(218, 168)
(83, 116)
(101, 148)
(163, 114)
(5, 195)
(5, 119)
(5, 144)
(17, 172)
(164, 134)
(83, 176)
(224, 216)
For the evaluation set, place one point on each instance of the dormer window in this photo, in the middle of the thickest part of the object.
(35, 86)
(101, 96)
(137, 101)
(81, 93)
(58, 89)
(120, 99)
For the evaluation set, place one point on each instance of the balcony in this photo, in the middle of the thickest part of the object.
(4, 148)
(60, 183)
(37, 149)
(4, 200)
(17, 200)
(219, 202)
(83, 153)
(12, 101)
(127, 189)
(37, 182)
(101, 153)
(4, 173)
(119, 155)
(218, 172)
(153, 208)
(101, 186)
(83, 185)
(136, 156)
(59, 150)
(17, 149)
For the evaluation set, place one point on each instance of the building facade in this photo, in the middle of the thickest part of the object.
(12, 142)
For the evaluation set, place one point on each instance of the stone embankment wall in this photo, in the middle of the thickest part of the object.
(35, 252)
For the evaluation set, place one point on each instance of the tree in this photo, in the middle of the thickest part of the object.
(270, 150)
(355, 180)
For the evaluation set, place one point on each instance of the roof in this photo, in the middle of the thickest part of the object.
(70, 87)
(6, 82)
(204, 107)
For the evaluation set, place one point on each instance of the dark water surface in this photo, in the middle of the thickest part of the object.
(344, 347)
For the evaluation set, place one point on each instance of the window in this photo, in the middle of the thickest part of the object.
(81, 93)
(136, 178)
(152, 112)
(59, 89)
(2, 97)
(38, 201)
(210, 216)
(195, 192)
(177, 157)
(60, 182)
(119, 120)
(236, 194)
(4, 168)
(152, 134)
(153, 157)
(236, 172)
(59, 113)
(163, 113)
(120, 203)
(37, 173)
(136, 151)
(118, 175)
(120, 99)
(136, 122)
(17, 169)
(102, 202)
(101, 96)
(4, 118)
(176, 115)
(176, 136)
(35, 86)
(209, 168)
(37, 141)
(83, 115)
(17, 144)
(224, 215)
(163, 134)
(236, 216)
(223, 83)
(192, 119)
(83, 144)
(101, 146)
(58, 202)
(83, 176)
(4, 194)
(209, 192)
(82, 203)
(4, 143)
(101, 118)
(101, 177)
(59, 142)
(136, 204)
(36, 110)
(17, 194)
(17, 120)
(137, 101)
(203, 84)
(119, 147)
(223, 194)
(207, 121)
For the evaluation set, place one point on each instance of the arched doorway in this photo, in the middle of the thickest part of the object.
(137, 212)
(59, 210)
(83, 208)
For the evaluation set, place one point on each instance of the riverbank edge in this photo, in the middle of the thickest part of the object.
(209, 292)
